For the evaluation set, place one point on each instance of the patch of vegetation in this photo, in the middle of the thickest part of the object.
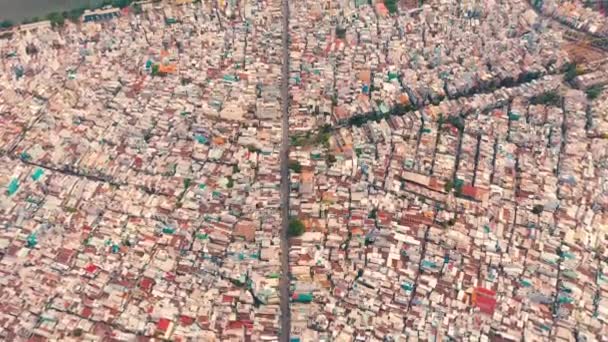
(137, 9)
(75, 14)
(296, 227)
(295, 166)
(320, 138)
(440, 120)
(331, 159)
(155, 70)
(253, 149)
(571, 71)
(171, 171)
(448, 186)
(334, 100)
(340, 32)
(56, 19)
(456, 186)
(391, 5)
(397, 109)
(121, 3)
(360, 120)
(594, 92)
(5, 24)
(548, 98)
(230, 183)
(324, 135)
(456, 121)
(529, 76)
(148, 136)
(373, 214)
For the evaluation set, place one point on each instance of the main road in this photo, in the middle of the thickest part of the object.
(284, 282)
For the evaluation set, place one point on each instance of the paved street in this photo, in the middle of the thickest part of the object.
(284, 284)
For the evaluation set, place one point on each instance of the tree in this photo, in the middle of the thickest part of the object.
(75, 14)
(372, 214)
(572, 70)
(391, 5)
(449, 185)
(456, 121)
(6, 24)
(326, 128)
(548, 98)
(323, 138)
(358, 120)
(121, 3)
(440, 120)
(296, 227)
(253, 149)
(56, 19)
(137, 9)
(538, 209)
(331, 159)
(230, 183)
(594, 92)
(295, 166)
(155, 70)
(187, 182)
(340, 32)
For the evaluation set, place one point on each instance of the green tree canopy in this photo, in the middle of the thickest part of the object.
(155, 70)
(56, 19)
(295, 166)
(6, 24)
(391, 5)
(594, 92)
(296, 227)
(548, 98)
(121, 3)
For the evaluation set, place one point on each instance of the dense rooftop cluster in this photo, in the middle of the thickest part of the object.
(577, 13)
(448, 173)
(140, 189)
(469, 201)
(364, 61)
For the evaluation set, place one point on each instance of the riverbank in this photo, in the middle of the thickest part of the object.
(26, 10)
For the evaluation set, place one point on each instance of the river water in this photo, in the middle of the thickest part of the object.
(17, 10)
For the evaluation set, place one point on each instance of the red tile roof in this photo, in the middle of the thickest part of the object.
(163, 324)
(91, 268)
(186, 320)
